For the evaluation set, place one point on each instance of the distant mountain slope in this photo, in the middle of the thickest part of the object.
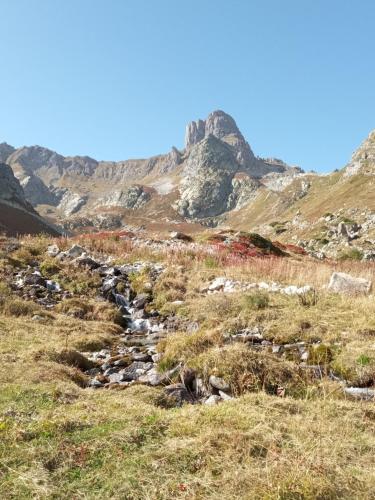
(17, 216)
(216, 180)
(63, 186)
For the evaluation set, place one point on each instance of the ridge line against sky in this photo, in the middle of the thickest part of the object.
(118, 79)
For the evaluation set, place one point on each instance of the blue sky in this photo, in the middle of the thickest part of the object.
(118, 79)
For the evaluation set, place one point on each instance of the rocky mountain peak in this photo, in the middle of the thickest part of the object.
(221, 124)
(218, 123)
(223, 127)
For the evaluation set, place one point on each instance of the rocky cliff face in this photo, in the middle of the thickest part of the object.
(133, 197)
(363, 159)
(17, 216)
(5, 151)
(207, 182)
(11, 191)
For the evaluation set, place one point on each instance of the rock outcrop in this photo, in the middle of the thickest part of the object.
(207, 183)
(363, 159)
(344, 283)
(71, 202)
(36, 192)
(17, 216)
(5, 151)
(222, 126)
(10, 189)
(133, 197)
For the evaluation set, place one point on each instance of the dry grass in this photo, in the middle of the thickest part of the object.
(59, 440)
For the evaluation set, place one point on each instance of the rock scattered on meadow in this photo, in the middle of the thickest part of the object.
(347, 284)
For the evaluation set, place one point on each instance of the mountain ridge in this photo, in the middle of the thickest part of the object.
(216, 180)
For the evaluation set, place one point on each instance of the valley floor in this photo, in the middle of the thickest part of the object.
(289, 431)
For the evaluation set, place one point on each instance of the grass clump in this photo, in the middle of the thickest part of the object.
(141, 282)
(171, 286)
(256, 300)
(79, 282)
(49, 267)
(13, 306)
(182, 346)
(90, 310)
(247, 370)
(356, 363)
(70, 357)
(351, 254)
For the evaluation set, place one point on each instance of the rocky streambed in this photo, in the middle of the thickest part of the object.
(135, 358)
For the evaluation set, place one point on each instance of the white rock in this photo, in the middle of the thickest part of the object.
(263, 286)
(53, 286)
(212, 400)
(360, 392)
(140, 325)
(295, 290)
(53, 250)
(217, 284)
(157, 357)
(344, 283)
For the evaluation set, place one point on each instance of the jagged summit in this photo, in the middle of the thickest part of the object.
(218, 123)
(222, 126)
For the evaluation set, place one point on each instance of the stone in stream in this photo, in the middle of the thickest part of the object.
(95, 384)
(224, 396)
(217, 284)
(53, 286)
(141, 300)
(135, 370)
(109, 284)
(117, 377)
(141, 356)
(121, 301)
(154, 378)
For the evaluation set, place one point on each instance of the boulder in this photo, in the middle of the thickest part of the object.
(53, 250)
(363, 393)
(218, 383)
(75, 251)
(217, 284)
(86, 261)
(344, 283)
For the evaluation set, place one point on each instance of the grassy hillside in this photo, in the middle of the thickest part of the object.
(60, 439)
